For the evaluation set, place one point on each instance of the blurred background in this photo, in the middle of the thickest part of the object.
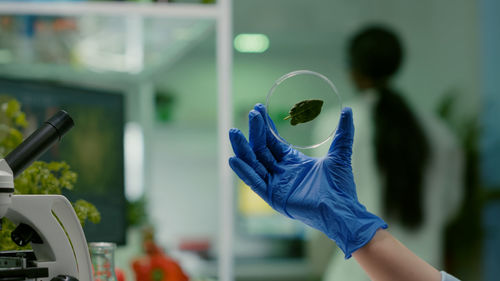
(153, 88)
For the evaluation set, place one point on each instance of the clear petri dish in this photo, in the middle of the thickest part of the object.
(293, 88)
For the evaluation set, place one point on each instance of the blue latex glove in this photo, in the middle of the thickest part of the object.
(317, 191)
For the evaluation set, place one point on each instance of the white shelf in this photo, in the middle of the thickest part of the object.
(174, 10)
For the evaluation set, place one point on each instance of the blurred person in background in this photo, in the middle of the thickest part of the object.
(407, 165)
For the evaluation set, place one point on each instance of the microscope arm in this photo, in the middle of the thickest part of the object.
(64, 248)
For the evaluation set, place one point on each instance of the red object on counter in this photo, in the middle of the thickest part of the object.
(120, 276)
(156, 266)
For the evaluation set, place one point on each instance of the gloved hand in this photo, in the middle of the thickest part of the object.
(317, 191)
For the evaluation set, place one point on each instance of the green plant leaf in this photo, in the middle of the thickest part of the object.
(85, 210)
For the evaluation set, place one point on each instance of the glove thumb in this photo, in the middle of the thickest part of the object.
(342, 141)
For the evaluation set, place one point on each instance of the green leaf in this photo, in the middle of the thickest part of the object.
(85, 210)
(304, 111)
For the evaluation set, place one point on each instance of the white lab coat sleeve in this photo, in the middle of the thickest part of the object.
(446, 277)
(448, 167)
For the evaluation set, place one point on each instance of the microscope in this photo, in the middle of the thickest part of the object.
(48, 222)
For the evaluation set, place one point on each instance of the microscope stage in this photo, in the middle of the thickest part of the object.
(19, 266)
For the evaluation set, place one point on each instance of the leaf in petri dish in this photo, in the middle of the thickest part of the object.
(304, 111)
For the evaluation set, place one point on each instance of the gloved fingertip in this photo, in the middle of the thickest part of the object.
(344, 134)
(259, 107)
(257, 133)
(253, 113)
(233, 131)
(234, 135)
(346, 110)
(233, 162)
(346, 122)
(231, 159)
(240, 168)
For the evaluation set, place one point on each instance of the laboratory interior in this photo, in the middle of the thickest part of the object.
(116, 119)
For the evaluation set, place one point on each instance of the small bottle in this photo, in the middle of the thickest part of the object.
(102, 255)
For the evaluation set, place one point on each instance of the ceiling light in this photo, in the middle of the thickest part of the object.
(251, 43)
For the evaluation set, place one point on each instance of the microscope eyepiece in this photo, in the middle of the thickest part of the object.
(37, 143)
(62, 122)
